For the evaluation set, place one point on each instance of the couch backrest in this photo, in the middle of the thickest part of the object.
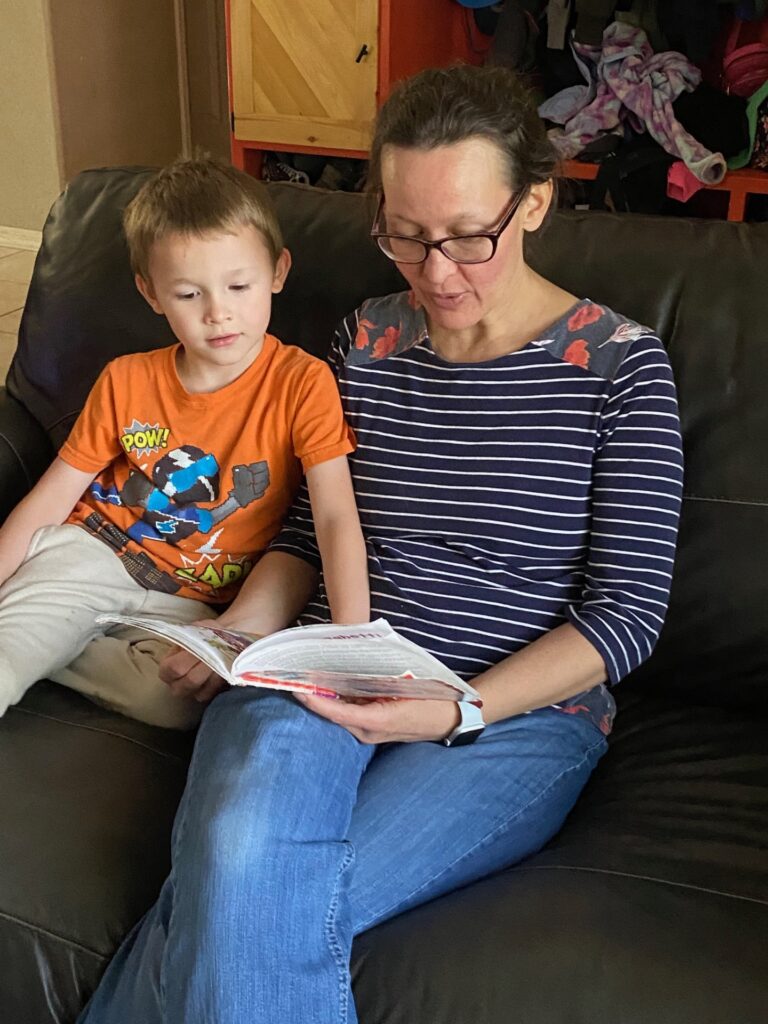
(703, 285)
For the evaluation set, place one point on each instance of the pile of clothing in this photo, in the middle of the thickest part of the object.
(624, 80)
(630, 86)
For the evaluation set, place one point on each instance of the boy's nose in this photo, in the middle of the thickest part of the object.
(217, 311)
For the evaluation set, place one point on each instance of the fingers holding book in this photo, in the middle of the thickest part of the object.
(387, 721)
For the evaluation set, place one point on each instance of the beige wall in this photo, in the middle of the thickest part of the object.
(29, 172)
(83, 83)
(116, 80)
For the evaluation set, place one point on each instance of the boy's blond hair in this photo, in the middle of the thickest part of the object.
(197, 197)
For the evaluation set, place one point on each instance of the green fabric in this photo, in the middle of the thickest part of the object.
(753, 105)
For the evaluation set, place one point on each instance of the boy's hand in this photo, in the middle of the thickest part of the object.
(185, 676)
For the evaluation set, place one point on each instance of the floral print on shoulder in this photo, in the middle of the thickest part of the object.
(593, 337)
(387, 326)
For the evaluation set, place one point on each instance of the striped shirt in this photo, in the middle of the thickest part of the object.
(500, 499)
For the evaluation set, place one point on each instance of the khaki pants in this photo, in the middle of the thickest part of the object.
(48, 629)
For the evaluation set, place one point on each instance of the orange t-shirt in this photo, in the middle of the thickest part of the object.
(200, 483)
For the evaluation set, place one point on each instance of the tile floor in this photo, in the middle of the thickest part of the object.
(15, 272)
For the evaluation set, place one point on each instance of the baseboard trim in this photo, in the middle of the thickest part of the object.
(20, 238)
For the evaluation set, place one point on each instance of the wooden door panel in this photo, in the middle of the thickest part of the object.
(294, 63)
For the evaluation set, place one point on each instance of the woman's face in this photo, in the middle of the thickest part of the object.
(458, 189)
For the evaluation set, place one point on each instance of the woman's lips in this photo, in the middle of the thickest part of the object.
(446, 301)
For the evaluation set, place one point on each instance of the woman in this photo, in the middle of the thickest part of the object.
(518, 477)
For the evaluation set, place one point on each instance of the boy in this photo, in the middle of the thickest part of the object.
(183, 462)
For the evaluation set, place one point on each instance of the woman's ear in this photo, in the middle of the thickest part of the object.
(282, 267)
(145, 288)
(536, 205)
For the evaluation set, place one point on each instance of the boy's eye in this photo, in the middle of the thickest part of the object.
(240, 287)
(185, 295)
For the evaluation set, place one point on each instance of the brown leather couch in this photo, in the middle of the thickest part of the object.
(651, 905)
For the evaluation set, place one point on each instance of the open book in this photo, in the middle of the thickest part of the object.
(370, 660)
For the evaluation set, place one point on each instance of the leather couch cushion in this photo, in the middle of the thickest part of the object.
(87, 799)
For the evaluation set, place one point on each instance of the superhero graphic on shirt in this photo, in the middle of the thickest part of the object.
(180, 480)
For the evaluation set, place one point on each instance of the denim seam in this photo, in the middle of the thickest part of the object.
(177, 839)
(489, 835)
(337, 952)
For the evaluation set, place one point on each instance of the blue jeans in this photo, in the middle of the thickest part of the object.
(292, 837)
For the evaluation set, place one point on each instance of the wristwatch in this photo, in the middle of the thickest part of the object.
(469, 728)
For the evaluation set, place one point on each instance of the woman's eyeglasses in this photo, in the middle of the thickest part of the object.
(476, 248)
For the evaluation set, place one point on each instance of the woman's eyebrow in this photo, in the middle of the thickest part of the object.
(471, 218)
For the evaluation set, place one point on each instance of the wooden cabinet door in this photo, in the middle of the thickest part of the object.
(295, 76)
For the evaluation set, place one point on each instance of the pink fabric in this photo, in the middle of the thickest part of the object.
(638, 86)
(682, 183)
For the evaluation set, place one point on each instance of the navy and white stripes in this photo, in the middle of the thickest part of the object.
(502, 498)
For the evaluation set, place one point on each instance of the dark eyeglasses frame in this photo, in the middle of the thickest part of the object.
(506, 220)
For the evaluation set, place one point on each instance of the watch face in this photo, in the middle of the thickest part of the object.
(465, 736)
(469, 728)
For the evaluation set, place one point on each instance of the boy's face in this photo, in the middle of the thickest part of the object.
(216, 292)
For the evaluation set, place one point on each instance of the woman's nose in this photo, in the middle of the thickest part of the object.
(437, 267)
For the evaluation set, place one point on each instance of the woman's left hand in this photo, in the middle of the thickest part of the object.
(388, 721)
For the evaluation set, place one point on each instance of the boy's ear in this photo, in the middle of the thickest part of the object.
(146, 289)
(282, 267)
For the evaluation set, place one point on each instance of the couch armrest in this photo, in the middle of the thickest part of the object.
(25, 452)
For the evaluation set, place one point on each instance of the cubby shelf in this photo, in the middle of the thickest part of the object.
(739, 184)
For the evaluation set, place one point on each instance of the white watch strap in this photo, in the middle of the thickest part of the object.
(471, 716)
(471, 722)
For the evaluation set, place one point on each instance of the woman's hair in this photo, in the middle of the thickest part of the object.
(441, 106)
(196, 197)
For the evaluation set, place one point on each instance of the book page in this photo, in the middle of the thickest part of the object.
(372, 650)
(360, 661)
(217, 648)
(362, 687)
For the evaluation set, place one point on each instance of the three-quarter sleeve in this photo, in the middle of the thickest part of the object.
(636, 495)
